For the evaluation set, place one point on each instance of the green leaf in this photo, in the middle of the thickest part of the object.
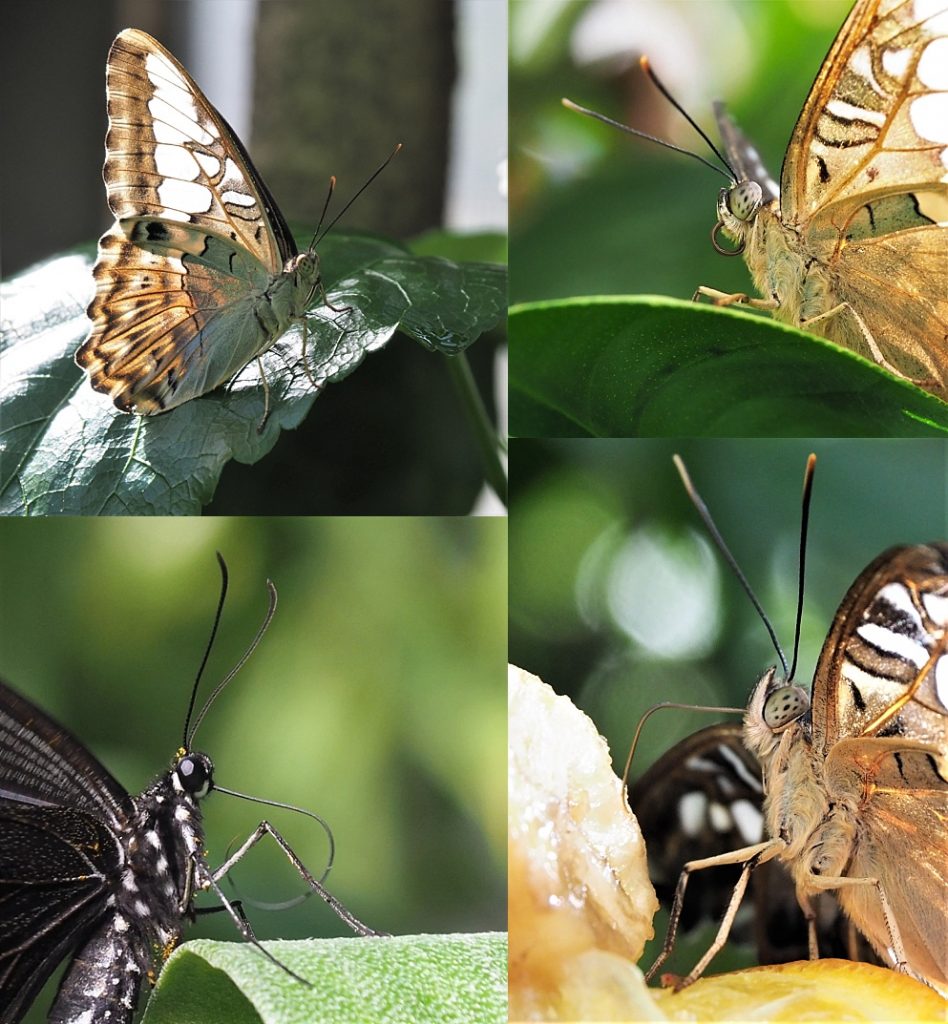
(649, 366)
(66, 449)
(411, 979)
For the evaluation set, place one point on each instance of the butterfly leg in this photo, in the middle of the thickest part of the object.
(208, 880)
(733, 298)
(896, 945)
(809, 915)
(265, 828)
(749, 857)
(266, 396)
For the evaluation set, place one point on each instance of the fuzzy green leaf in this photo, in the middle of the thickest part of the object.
(412, 979)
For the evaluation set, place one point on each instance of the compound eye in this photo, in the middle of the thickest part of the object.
(785, 705)
(744, 199)
(196, 774)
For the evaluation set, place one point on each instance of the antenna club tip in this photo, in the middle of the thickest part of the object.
(644, 63)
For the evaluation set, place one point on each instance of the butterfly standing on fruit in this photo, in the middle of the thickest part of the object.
(855, 775)
(199, 275)
(854, 243)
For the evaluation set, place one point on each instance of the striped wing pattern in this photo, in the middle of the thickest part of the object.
(199, 274)
(865, 179)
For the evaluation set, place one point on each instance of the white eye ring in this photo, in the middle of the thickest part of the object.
(785, 705)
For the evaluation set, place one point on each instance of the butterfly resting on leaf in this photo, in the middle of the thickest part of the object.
(199, 275)
(853, 245)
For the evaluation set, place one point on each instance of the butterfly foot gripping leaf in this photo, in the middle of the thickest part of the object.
(199, 274)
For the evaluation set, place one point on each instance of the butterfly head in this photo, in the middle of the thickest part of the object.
(737, 208)
(775, 705)
(303, 271)
(193, 774)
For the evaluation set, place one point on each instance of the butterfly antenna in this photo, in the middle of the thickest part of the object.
(728, 557)
(317, 237)
(271, 609)
(322, 216)
(646, 67)
(299, 810)
(657, 82)
(804, 527)
(207, 650)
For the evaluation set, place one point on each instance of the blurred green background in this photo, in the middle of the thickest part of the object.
(618, 598)
(595, 211)
(376, 698)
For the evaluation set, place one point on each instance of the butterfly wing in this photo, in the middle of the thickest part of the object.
(903, 843)
(864, 182)
(743, 156)
(185, 277)
(59, 812)
(889, 642)
(888, 629)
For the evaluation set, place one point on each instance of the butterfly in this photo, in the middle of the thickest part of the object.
(854, 776)
(199, 274)
(853, 246)
(91, 873)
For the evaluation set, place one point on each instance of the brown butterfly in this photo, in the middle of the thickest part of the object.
(853, 247)
(855, 778)
(852, 244)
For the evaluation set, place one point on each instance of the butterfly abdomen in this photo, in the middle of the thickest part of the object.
(104, 977)
(150, 903)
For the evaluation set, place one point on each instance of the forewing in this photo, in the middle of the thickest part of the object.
(873, 122)
(43, 764)
(888, 637)
(171, 156)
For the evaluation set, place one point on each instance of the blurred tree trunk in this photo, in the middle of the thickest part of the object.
(337, 85)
